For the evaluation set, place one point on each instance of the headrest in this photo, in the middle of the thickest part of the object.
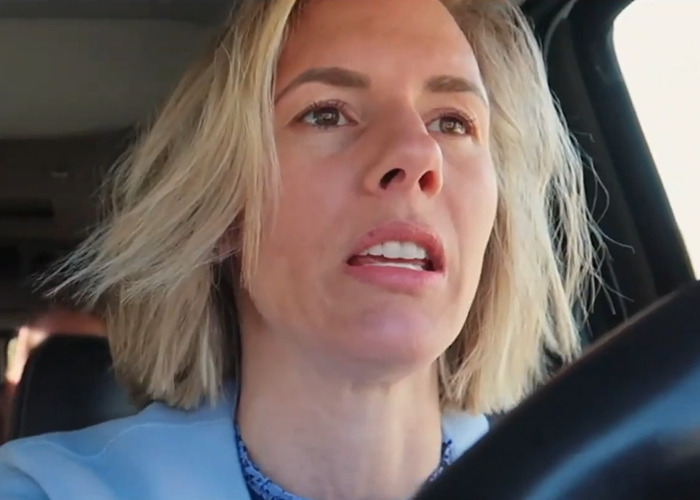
(67, 384)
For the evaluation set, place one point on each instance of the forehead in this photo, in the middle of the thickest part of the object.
(389, 34)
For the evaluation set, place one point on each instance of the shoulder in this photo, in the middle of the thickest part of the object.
(463, 429)
(18, 485)
(149, 448)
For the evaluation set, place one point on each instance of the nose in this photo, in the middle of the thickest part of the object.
(408, 158)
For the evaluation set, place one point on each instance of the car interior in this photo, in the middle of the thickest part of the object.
(78, 79)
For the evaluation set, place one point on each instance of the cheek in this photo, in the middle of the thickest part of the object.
(295, 253)
(473, 204)
(487, 186)
(311, 203)
(474, 200)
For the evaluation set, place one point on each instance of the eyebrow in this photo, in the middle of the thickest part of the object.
(342, 77)
(455, 85)
(334, 76)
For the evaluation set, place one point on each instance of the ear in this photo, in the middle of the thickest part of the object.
(229, 245)
(228, 257)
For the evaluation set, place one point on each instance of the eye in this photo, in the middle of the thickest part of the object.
(452, 124)
(324, 115)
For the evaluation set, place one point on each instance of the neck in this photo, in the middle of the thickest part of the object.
(325, 437)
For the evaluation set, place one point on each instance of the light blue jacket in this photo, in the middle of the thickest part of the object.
(160, 453)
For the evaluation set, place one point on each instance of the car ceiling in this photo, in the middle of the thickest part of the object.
(74, 67)
(77, 75)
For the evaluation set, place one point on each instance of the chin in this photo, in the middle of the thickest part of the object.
(405, 342)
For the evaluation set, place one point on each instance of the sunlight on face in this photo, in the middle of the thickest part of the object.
(389, 190)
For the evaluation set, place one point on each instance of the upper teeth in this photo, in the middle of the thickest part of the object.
(397, 250)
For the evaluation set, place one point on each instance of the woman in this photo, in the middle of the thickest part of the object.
(392, 259)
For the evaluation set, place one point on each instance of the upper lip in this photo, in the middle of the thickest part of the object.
(405, 231)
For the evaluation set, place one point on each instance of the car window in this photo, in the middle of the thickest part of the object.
(658, 49)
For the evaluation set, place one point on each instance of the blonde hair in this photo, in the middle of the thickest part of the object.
(194, 180)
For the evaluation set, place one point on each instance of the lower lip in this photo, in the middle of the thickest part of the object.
(396, 279)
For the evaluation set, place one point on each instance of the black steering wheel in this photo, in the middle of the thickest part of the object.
(622, 423)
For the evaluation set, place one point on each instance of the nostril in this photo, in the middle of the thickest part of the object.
(429, 181)
(394, 174)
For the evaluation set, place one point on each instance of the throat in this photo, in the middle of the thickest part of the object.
(339, 442)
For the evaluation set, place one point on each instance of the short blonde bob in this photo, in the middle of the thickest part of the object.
(204, 173)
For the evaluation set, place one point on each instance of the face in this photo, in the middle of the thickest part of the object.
(389, 190)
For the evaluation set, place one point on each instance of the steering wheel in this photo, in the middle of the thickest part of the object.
(621, 423)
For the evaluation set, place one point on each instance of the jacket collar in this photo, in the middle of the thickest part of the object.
(461, 428)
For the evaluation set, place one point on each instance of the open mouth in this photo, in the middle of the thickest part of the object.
(400, 254)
